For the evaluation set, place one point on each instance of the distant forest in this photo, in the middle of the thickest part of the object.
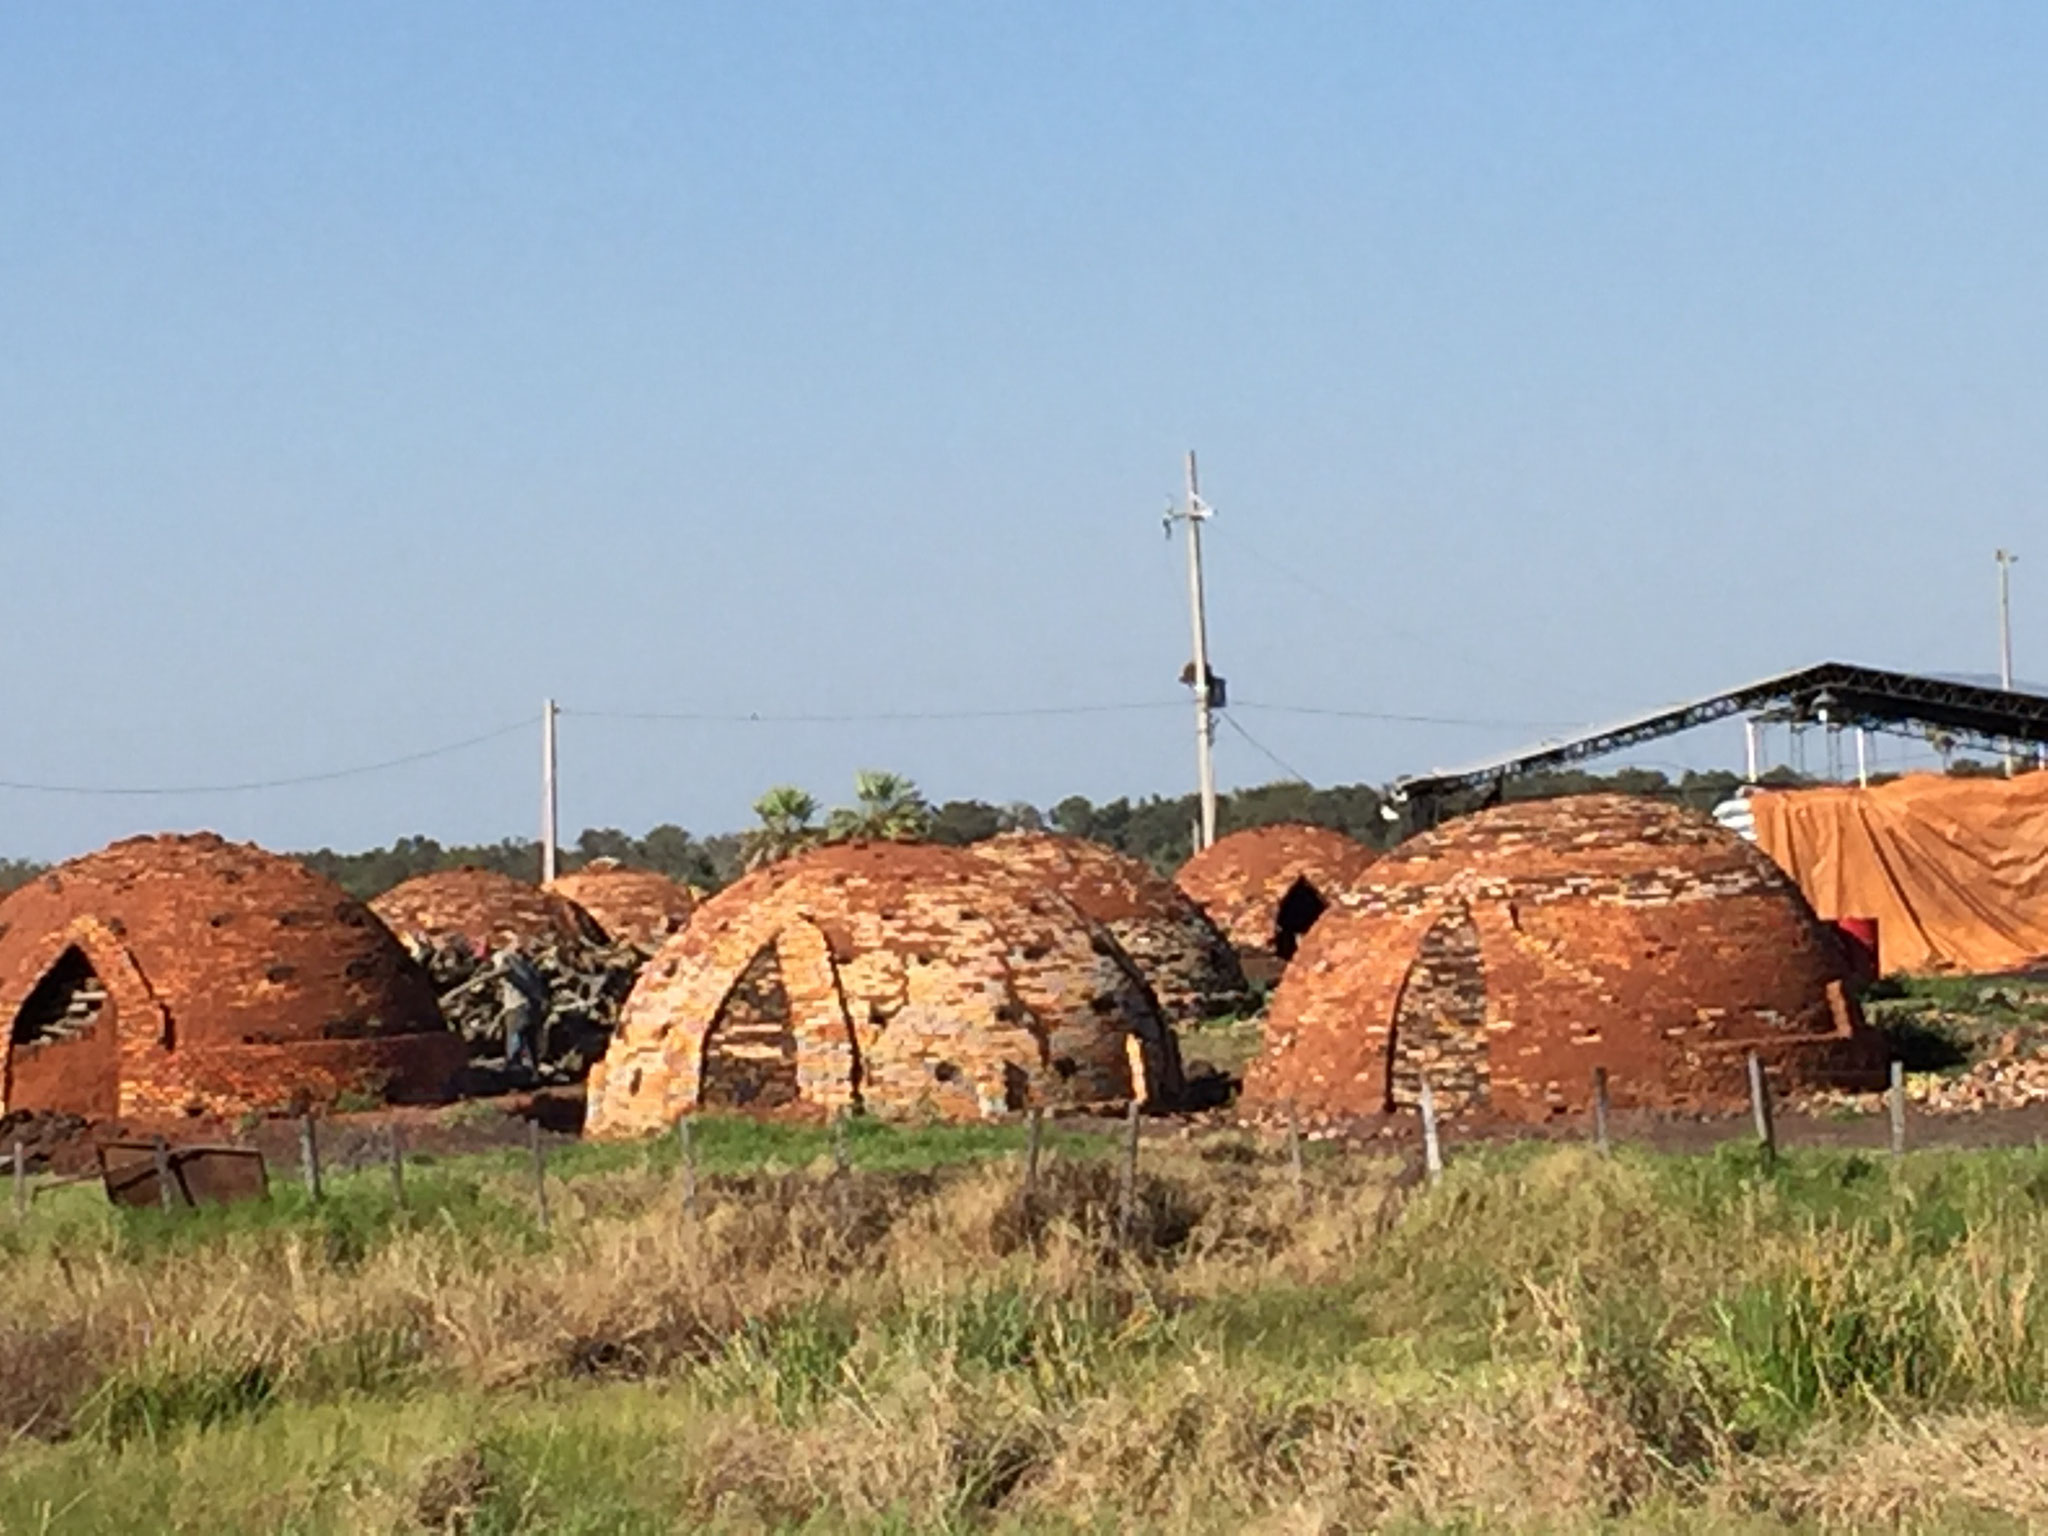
(1156, 829)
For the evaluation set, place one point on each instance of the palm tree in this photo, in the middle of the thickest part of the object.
(886, 805)
(788, 825)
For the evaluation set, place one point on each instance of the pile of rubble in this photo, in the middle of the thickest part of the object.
(1996, 1084)
(585, 984)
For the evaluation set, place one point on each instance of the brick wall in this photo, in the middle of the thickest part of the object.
(481, 904)
(1191, 967)
(1243, 879)
(235, 980)
(906, 978)
(1510, 953)
(632, 906)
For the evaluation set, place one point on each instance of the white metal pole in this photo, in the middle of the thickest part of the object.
(550, 826)
(1862, 758)
(1749, 743)
(1205, 724)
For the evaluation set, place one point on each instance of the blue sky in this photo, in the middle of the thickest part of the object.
(368, 373)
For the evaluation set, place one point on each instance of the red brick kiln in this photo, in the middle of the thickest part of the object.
(1192, 968)
(901, 978)
(1266, 886)
(481, 905)
(1510, 953)
(175, 975)
(632, 906)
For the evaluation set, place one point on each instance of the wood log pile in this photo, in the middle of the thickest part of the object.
(586, 984)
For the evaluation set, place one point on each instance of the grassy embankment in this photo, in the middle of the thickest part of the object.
(1545, 1342)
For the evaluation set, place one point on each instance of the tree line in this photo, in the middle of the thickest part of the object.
(1158, 829)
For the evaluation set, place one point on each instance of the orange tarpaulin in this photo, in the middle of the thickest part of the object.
(1954, 870)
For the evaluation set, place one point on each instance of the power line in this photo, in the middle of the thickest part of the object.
(259, 784)
(757, 717)
(1437, 643)
(1267, 752)
(752, 717)
(1367, 714)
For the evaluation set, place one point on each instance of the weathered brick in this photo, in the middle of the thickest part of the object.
(234, 980)
(1192, 968)
(903, 978)
(1266, 886)
(482, 906)
(1508, 954)
(633, 906)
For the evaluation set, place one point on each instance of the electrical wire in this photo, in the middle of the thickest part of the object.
(1395, 719)
(707, 717)
(755, 717)
(1439, 644)
(1267, 752)
(261, 784)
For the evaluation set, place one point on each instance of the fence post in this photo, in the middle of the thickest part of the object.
(686, 1142)
(1600, 1110)
(20, 1180)
(397, 1153)
(1760, 1104)
(1432, 1148)
(309, 1156)
(540, 1171)
(162, 1151)
(1032, 1147)
(1898, 1107)
(1127, 1217)
(1295, 1171)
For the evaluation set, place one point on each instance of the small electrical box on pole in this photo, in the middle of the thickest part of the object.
(1208, 687)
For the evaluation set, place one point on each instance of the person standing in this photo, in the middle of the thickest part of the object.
(522, 1004)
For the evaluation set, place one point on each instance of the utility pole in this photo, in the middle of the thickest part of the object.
(2005, 560)
(550, 827)
(1196, 513)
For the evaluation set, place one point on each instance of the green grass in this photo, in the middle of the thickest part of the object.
(1548, 1340)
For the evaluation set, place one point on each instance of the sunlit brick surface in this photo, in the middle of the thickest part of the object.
(1192, 968)
(224, 979)
(1264, 886)
(1508, 954)
(632, 906)
(481, 906)
(905, 978)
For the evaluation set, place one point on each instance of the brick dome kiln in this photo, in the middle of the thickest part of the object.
(632, 906)
(481, 904)
(1266, 886)
(1192, 969)
(1510, 953)
(902, 978)
(177, 974)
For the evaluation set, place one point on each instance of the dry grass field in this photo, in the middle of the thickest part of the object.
(1547, 1341)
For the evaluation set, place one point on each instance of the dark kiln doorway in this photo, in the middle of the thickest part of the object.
(750, 1050)
(61, 1043)
(1297, 913)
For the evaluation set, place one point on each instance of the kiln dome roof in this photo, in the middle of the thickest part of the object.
(903, 977)
(1507, 955)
